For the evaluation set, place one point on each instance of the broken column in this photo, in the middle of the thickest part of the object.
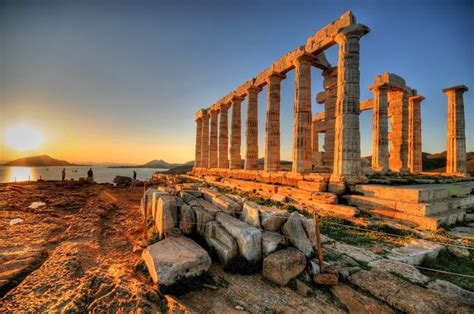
(456, 150)
(213, 139)
(235, 137)
(380, 128)
(197, 160)
(302, 116)
(414, 134)
(272, 123)
(223, 161)
(205, 141)
(251, 131)
(347, 163)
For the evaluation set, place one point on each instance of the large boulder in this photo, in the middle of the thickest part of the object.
(122, 181)
(249, 239)
(187, 219)
(250, 214)
(155, 196)
(202, 218)
(281, 266)
(222, 243)
(271, 241)
(174, 258)
(271, 218)
(294, 230)
(166, 215)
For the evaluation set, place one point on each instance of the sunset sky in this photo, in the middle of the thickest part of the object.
(119, 81)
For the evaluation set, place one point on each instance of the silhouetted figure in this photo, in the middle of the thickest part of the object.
(90, 175)
(134, 175)
(63, 174)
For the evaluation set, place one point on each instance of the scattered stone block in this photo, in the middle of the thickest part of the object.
(355, 252)
(222, 243)
(271, 218)
(271, 241)
(328, 278)
(155, 196)
(166, 215)
(294, 230)
(462, 232)
(357, 302)
(187, 220)
(280, 267)
(249, 239)
(202, 218)
(457, 251)
(251, 214)
(406, 271)
(174, 258)
(415, 252)
(279, 198)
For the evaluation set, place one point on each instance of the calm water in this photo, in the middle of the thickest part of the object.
(101, 174)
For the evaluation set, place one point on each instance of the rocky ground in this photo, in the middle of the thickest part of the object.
(78, 251)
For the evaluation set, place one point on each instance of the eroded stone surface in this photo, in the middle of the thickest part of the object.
(283, 265)
(294, 230)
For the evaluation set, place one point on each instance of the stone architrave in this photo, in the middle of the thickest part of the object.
(272, 123)
(414, 134)
(347, 163)
(235, 137)
(223, 161)
(251, 132)
(205, 141)
(380, 128)
(213, 139)
(198, 156)
(302, 116)
(456, 150)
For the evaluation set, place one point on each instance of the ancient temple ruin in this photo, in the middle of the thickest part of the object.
(396, 135)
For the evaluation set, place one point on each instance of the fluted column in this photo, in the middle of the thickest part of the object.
(213, 139)
(251, 131)
(398, 137)
(414, 134)
(272, 123)
(302, 116)
(223, 162)
(456, 150)
(380, 128)
(347, 132)
(197, 160)
(236, 131)
(205, 141)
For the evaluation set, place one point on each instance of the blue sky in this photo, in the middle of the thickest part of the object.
(121, 81)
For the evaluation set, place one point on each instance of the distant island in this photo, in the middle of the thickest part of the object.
(38, 161)
(158, 164)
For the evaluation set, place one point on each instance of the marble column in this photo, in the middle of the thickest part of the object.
(302, 116)
(235, 137)
(197, 160)
(415, 164)
(314, 138)
(347, 163)
(398, 137)
(213, 139)
(205, 141)
(223, 162)
(456, 150)
(251, 131)
(380, 128)
(272, 123)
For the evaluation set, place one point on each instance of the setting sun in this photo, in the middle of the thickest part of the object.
(23, 137)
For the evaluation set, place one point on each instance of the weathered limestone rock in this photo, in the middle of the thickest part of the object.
(223, 161)
(213, 156)
(202, 218)
(272, 124)
(222, 243)
(406, 271)
(235, 139)
(279, 198)
(294, 230)
(251, 131)
(462, 232)
(457, 251)
(271, 241)
(355, 252)
(187, 220)
(357, 302)
(155, 196)
(249, 239)
(414, 134)
(166, 215)
(205, 141)
(250, 214)
(272, 218)
(222, 201)
(380, 128)
(415, 252)
(448, 289)
(174, 258)
(147, 202)
(456, 148)
(283, 265)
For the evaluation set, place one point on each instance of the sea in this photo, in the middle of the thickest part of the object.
(102, 174)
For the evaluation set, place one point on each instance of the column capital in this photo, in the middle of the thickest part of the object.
(236, 99)
(356, 30)
(213, 111)
(416, 98)
(224, 107)
(457, 89)
(274, 77)
(304, 58)
(200, 114)
(254, 88)
(378, 87)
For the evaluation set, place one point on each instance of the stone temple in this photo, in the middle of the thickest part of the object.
(337, 180)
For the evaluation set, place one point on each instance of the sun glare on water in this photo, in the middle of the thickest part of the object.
(23, 137)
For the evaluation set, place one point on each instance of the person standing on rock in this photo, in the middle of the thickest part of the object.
(134, 175)
(63, 174)
(90, 175)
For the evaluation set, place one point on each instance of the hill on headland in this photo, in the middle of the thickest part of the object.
(158, 164)
(38, 161)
